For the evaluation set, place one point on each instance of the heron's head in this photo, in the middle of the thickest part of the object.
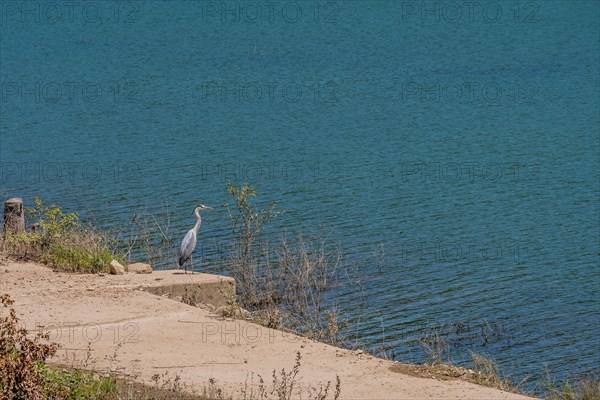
(202, 207)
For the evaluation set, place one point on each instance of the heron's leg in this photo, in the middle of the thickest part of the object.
(192, 263)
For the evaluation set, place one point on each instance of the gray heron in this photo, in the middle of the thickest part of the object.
(189, 241)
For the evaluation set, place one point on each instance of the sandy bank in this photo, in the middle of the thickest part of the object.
(151, 334)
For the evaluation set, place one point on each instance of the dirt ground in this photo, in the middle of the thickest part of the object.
(128, 325)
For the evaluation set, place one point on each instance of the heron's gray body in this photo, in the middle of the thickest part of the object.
(187, 247)
(188, 243)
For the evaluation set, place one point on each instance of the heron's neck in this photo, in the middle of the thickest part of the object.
(198, 220)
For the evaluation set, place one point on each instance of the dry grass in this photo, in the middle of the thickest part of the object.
(580, 387)
(147, 237)
(285, 386)
(438, 350)
(282, 284)
(484, 371)
(485, 374)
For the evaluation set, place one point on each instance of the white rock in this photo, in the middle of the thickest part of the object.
(116, 268)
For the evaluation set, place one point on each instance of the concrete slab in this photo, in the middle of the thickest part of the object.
(129, 330)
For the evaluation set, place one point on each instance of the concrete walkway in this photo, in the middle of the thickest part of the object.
(132, 331)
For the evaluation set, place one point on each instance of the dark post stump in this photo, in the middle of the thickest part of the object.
(14, 217)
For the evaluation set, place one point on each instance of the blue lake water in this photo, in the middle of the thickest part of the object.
(452, 151)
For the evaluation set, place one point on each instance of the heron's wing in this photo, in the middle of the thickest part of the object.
(187, 247)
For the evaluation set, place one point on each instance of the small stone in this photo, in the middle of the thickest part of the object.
(116, 268)
(140, 268)
(358, 352)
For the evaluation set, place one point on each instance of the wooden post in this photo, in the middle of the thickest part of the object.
(14, 217)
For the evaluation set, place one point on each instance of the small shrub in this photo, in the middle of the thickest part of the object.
(248, 223)
(189, 297)
(283, 383)
(281, 283)
(61, 240)
(22, 359)
(77, 384)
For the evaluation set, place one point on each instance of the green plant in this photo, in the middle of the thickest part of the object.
(51, 221)
(77, 384)
(61, 240)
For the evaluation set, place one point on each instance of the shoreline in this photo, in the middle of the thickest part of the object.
(137, 334)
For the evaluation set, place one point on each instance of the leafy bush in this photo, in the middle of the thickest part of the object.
(22, 359)
(77, 384)
(61, 240)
